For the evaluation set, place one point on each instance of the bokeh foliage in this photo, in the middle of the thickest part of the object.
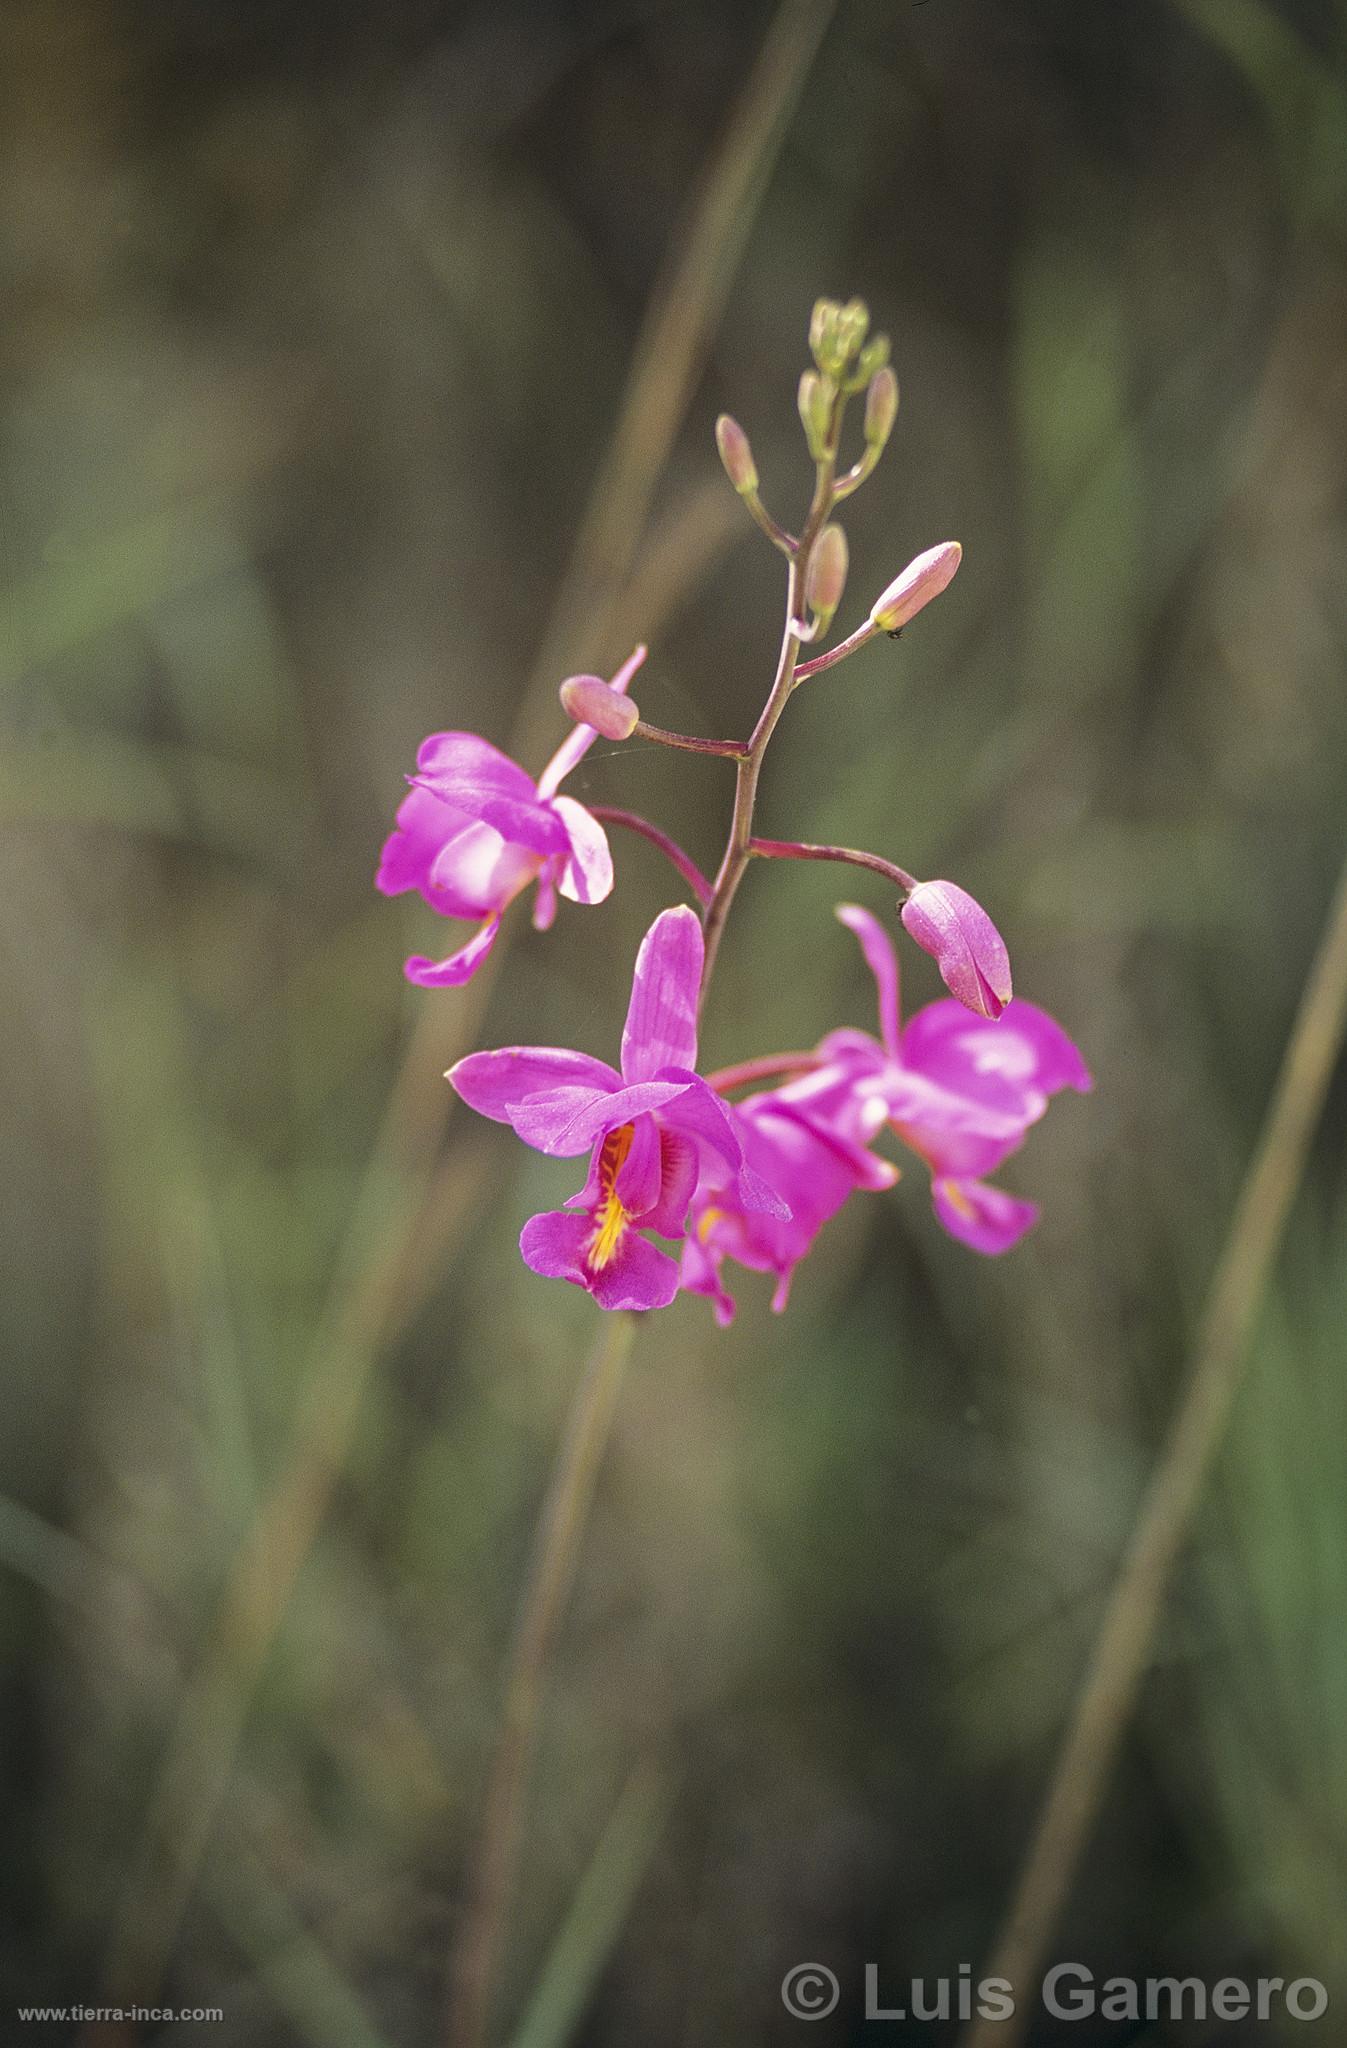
(320, 319)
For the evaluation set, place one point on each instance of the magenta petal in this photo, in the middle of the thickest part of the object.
(964, 943)
(587, 870)
(458, 967)
(678, 1182)
(424, 825)
(496, 1083)
(699, 1113)
(1014, 1064)
(466, 762)
(622, 1106)
(476, 871)
(533, 825)
(701, 1275)
(661, 1028)
(984, 1217)
(882, 961)
(639, 1276)
(553, 1244)
(637, 1184)
(545, 899)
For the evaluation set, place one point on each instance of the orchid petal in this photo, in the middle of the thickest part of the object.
(699, 1113)
(545, 899)
(621, 1106)
(424, 824)
(637, 1182)
(638, 1276)
(464, 761)
(678, 1183)
(587, 869)
(529, 824)
(458, 967)
(477, 871)
(496, 1084)
(554, 1243)
(661, 1027)
(984, 1217)
(701, 1271)
(1026, 1049)
(882, 961)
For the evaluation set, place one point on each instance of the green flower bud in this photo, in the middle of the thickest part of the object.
(823, 332)
(815, 402)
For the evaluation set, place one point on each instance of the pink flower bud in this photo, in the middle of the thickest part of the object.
(591, 701)
(964, 943)
(736, 455)
(827, 572)
(920, 581)
(881, 407)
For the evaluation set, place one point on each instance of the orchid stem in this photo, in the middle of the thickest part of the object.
(737, 855)
(631, 821)
(835, 654)
(688, 743)
(1121, 1653)
(776, 534)
(725, 1079)
(799, 849)
(551, 1575)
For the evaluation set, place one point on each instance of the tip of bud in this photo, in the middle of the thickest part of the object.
(736, 454)
(920, 581)
(591, 701)
(827, 575)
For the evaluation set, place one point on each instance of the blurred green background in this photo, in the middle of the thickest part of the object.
(321, 324)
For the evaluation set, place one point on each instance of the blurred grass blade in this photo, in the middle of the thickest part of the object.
(290, 1961)
(119, 577)
(597, 1914)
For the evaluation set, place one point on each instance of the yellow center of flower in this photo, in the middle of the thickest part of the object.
(610, 1218)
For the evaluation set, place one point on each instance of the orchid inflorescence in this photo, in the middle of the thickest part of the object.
(675, 1155)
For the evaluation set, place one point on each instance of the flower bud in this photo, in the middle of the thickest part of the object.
(881, 407)
(823, 331)
(920, 581)
(964, 943)
(827, 575)
(736, 455)
(853, 324)
(591, 701)
(815, 402)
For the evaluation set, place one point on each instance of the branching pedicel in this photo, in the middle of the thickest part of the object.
(671, 1156)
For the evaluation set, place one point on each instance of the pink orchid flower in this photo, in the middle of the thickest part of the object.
(813, 1162)
(475, 830)
(960, 1091)
(652, 1129)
